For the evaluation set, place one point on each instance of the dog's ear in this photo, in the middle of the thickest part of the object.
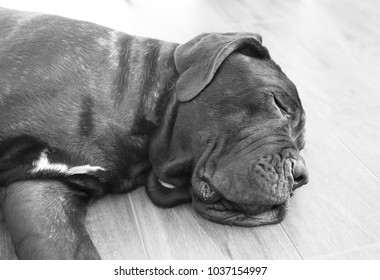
(198, 60)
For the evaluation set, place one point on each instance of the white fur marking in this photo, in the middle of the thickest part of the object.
(43, 164)
(84, 169)
(166, 185)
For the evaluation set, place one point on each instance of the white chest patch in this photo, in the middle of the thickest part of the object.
(43, 164)
(166, 185)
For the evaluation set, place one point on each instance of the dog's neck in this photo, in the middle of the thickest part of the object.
(147, 75)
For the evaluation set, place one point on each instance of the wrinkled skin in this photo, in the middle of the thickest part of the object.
(241, 144)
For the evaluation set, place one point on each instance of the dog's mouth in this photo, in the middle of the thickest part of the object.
(250, 192)
(214, 206)
(227, 212)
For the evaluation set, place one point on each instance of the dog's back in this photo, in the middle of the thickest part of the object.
(58, 90)
(49, 61)
(74, 92)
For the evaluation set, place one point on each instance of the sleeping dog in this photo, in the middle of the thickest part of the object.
(86, 110)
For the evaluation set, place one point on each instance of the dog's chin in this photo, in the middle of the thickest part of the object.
(233, 214)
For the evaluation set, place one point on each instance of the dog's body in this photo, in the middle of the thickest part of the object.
(105, 89)
(87, 110)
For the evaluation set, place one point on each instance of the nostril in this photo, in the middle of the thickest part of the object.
(300, 175)
(301, 179)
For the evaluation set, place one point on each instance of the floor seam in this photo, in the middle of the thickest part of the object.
(294, 245)
(138, 227)
(348, 250)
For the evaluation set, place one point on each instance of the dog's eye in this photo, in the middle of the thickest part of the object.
(285, 110)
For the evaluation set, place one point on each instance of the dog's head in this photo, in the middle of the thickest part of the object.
(237, 131)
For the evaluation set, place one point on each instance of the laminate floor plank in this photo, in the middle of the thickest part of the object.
(254, 11)
(180, 233)
(361, 253)
(338, 210)
(112, 226)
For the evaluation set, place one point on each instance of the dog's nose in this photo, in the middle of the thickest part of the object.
(300, 174)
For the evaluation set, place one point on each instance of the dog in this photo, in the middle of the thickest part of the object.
(86, 110)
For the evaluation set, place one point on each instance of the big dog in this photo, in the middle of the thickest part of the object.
(86, 110)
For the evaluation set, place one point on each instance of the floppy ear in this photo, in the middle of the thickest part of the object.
(198, 60)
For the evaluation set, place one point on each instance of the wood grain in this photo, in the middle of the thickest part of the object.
(339, 208)
(371, 252)
(112, 226)
(180, 233)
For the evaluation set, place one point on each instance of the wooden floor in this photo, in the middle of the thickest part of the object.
(331, 50)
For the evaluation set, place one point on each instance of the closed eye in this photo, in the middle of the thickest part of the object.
(285, 110)
(300, 142)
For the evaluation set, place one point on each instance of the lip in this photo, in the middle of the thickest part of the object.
(225, 212)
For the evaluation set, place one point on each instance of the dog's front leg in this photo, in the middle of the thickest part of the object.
(46, 221)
